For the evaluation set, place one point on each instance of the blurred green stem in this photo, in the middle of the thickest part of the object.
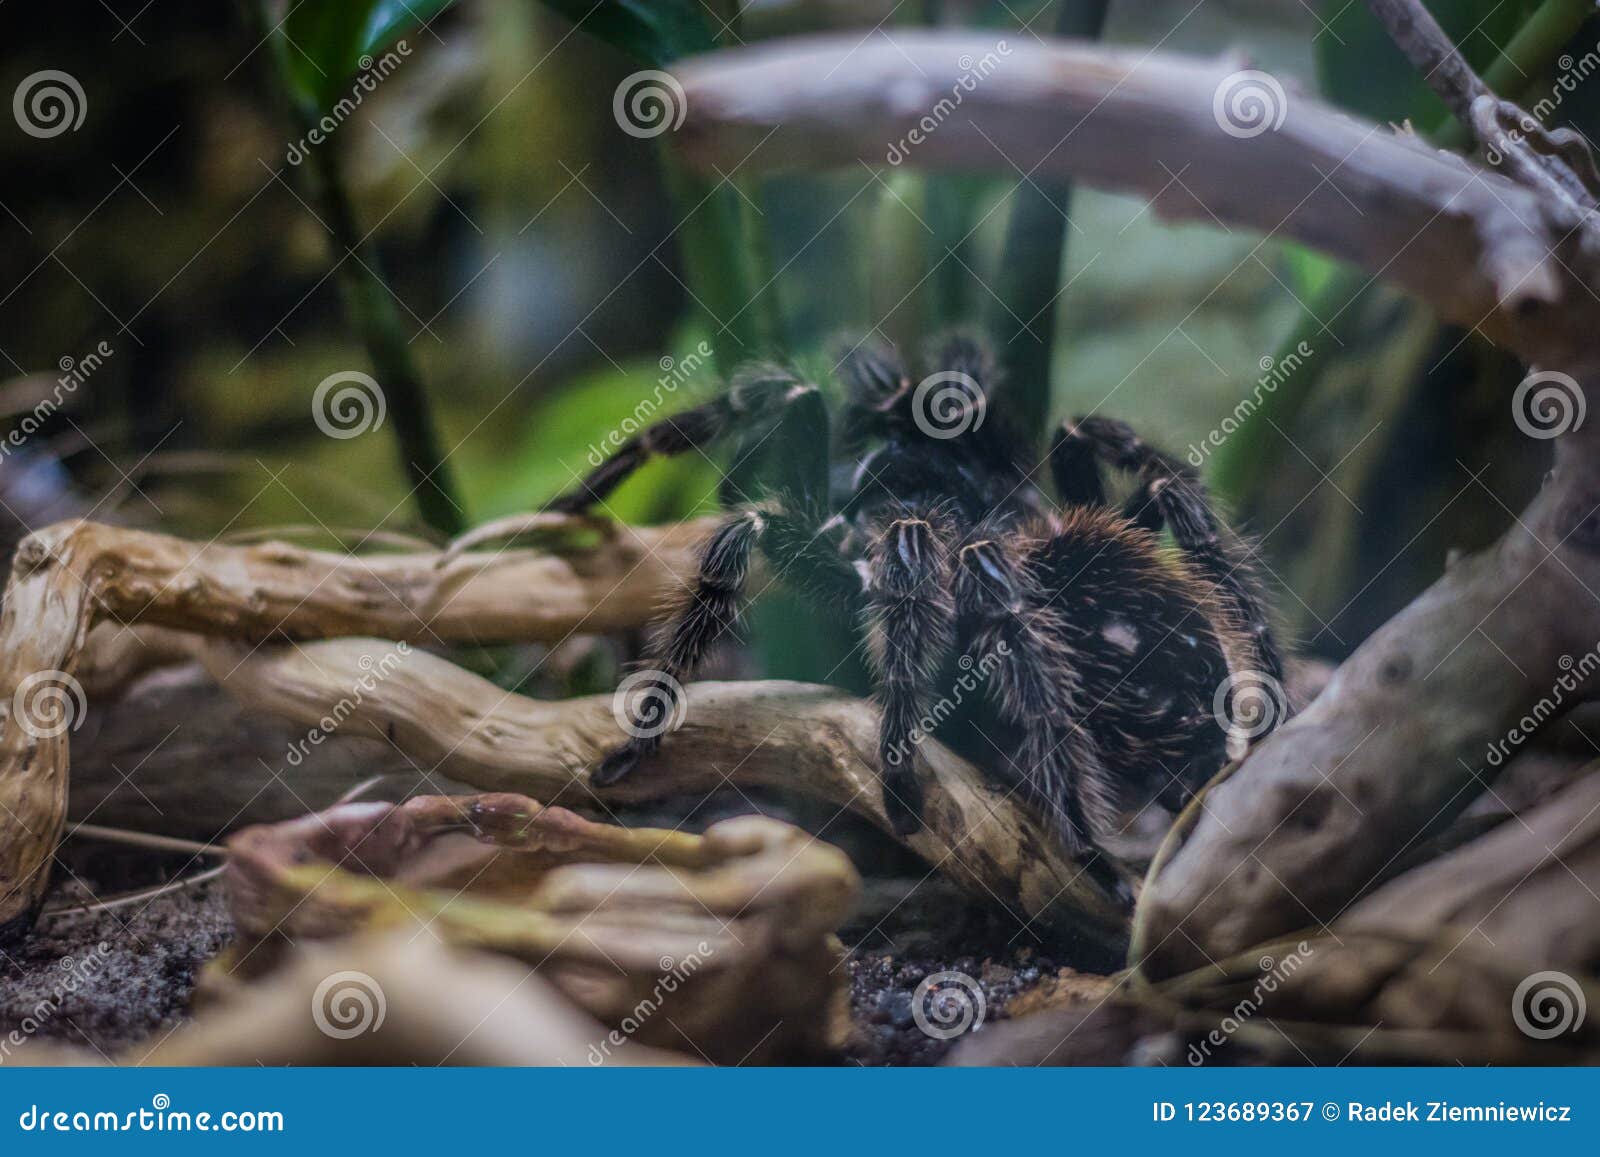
(1244, 458)
(359, 273)
(727, 262)
(898, 274)
(1031, 263)
(1529, 52)
(372, 311)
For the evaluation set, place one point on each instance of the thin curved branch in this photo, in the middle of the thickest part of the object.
(1432, 53)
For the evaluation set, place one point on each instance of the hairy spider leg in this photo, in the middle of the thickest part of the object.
(756, 397)
(910, 617)
(713, 607)
(800, 554)
(1074, 468)
(1017, 638)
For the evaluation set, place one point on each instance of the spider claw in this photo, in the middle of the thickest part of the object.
(617, 765)
(1099, 867)
(903, 804)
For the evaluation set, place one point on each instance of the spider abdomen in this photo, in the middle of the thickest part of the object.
(1148, 656)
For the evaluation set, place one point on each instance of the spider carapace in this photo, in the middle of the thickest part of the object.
(1104, 650)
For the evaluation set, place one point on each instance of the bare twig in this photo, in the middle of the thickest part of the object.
(1556, 163)
(1411, 26)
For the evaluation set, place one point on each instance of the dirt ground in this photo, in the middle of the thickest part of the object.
(111, 981)
(117, 982)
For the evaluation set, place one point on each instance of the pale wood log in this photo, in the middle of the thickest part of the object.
(1480, 248)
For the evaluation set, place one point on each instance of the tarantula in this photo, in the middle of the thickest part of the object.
(1105, 650)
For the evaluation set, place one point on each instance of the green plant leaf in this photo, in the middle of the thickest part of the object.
(390, 20)
(656, 32)
(326, 42)
(1309, 270)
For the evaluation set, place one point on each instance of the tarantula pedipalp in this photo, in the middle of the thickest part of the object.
(1105, 651)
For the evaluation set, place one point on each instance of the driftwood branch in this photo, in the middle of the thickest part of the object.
(1447, 964)
(68, 577)
(729, 932)
(1482, 249)
(277, 590)
(173, 753)
(1527, 889)
(811, 740)
(815, 741)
